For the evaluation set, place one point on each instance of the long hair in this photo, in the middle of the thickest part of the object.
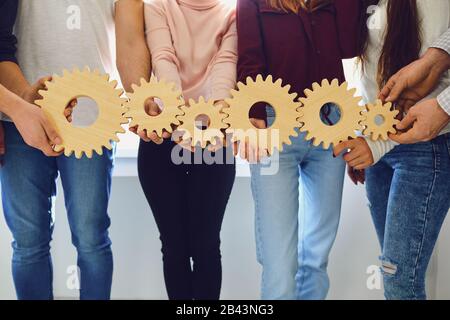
(295, 6)
(402, 39)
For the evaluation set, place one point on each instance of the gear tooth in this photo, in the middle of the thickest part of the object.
(279, 83)
(88, 154)
(86, 69)
(79, 154)
(288, 88)
(67, 152)
(66, 73)
(345, 85)
(76, 70)
(115, 138)
(335, 83)
(308, 93)
(240, 86)
(325, 83)
(259, 78)
(352, 91)
(134, 87)
(99, 150)
(316, 86)
(269, 78)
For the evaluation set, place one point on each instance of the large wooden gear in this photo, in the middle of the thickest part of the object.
(374, 129)
(272, 93)
(170, 97)
(212, 134)
(349, 122)
(76, 84)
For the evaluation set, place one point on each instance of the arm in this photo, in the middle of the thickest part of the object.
(223, 73)
(159, 40)
(415, 81)
(347, 20)
(31, 122)
(10, 74)
(251, 56)
(133, 56)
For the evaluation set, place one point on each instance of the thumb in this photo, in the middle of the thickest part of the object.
(52, 135)
(407, 121)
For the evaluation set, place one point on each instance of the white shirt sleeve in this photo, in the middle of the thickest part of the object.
(380, 147)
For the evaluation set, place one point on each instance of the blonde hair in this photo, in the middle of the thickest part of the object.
(294, 6)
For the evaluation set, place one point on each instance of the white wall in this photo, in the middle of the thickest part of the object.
(138, 269)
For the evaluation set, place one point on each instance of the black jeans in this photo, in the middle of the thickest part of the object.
(188, 202)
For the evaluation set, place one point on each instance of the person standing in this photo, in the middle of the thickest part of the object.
(192, 44)
(408, 186)
(297, 209)
(52, 36)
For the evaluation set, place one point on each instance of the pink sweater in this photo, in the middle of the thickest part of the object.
(194, 44)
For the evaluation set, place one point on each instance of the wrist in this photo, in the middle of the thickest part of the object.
(438, 60)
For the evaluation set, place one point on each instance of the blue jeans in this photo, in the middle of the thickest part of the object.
(28, 191)
(297, 217)
(409, 197)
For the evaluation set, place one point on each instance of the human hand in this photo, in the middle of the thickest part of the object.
(31, 93)
(247, 150)
(415, 81)
(427, 120)
(35, 128)
(356, 176)
(152, 109)
(358, 154)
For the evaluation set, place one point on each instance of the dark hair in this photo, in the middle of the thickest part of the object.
(402, 40)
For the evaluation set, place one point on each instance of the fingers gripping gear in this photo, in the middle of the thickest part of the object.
(170, 97)
(373, 128)
(75, 84)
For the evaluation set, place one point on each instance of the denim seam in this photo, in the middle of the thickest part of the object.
(302, 279)
(257, 223)
(430, 191)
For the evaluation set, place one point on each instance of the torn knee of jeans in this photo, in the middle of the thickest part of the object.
(388, 267)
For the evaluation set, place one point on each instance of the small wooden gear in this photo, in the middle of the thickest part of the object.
(272, 93)
(348, 104)
(374, 129)
(76, 84)
(190, 129)
(170, 97)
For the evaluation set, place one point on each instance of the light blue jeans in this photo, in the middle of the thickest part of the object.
(409, 196)
(28, 190)
(297, 217)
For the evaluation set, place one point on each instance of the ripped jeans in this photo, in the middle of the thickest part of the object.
(409, 197)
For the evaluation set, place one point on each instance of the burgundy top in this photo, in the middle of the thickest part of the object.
(299, 48)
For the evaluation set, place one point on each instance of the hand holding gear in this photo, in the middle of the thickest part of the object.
(62, 90)
(380, 120)
(170, 98)
(272, 93)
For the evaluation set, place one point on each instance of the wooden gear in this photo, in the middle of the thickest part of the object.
(272, 93)
(379, 130)
(76, 84)
(198, 136)
(349, 107)
(170, 97)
